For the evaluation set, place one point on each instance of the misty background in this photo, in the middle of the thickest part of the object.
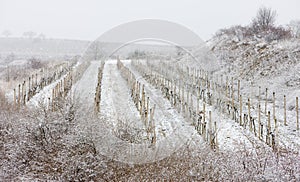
(87, 20)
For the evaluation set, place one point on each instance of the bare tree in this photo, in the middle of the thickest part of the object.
(265, 18)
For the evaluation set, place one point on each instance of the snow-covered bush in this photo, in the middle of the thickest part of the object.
(39, 144)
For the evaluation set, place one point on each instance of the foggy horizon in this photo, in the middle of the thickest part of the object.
(87, 20)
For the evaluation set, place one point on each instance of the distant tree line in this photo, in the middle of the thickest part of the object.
(27, 34)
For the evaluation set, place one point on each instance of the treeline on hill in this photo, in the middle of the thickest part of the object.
(263, 26)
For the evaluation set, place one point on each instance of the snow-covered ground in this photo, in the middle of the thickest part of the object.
(173, 130)
(117, 110)
(117, 107)
(274, 66)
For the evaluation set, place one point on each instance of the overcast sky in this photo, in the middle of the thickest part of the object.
(88, 19)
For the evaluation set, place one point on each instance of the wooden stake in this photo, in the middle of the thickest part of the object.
(147, 111)
(215, 135)
(274, 116)
(203, 111)
(174, 102)
(232, 102)
(191, 106)
(210, 129)
(14, 98)
(32, 81)
(266, 101)
(259, 122)
(276, 128)
(153, 126)
(24, 92)
(53, 98)
(249, 115)
(19, 96)
(241, 110)
(49, 104)
(297, 113)
(29, 79)
(259, 95)
(269, 127)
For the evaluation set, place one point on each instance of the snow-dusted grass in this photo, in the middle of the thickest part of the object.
(41, 145)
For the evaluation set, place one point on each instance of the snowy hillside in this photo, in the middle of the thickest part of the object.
(275, 65)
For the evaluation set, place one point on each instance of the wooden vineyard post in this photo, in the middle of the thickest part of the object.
(61, 88)
(204, 123)
(232, 101)
(134, 93)
(266, 101)
(215, 136)
(284, 110)
(143, 106)
(259, 122)
(241, 110)
(182, 100)
(276, 132)
(297, 113)
(187, 101)
(249, 115)
(36, 77)
(210, 133)
(49, 104)
(24, 92)
(179, 94)
(153, 141)
(204, 111)
(274, 116)
(208, 93)
(146, 113)
(29, 95)
(174, 94)
(32, 81)
(14, 98)
(19, 96)
(259, 95)
(268, 129)
(191, 106)
(53, 97)
(138, 96)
